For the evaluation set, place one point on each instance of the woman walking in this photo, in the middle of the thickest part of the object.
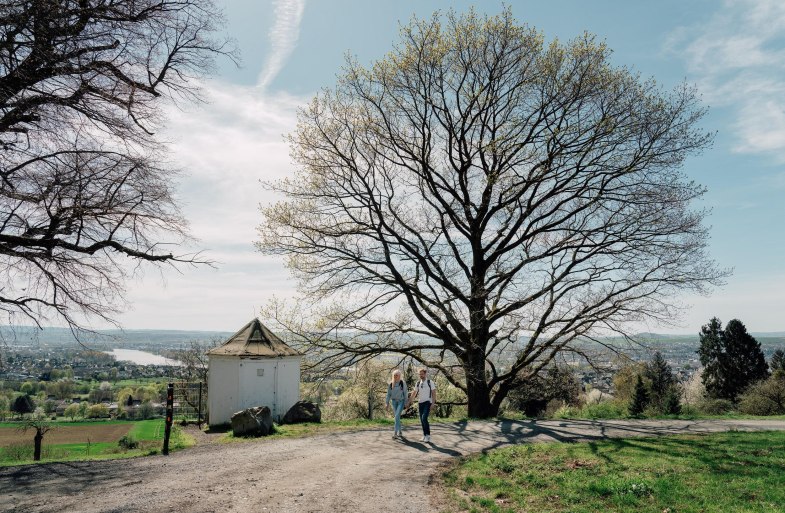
(397, 394)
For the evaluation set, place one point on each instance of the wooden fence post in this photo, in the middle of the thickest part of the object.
(199, 417)
(169, 416)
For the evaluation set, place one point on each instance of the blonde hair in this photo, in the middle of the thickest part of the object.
(423, 369)
(392, 376)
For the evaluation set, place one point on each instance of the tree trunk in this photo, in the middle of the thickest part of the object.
(37, 439)
(477, 391)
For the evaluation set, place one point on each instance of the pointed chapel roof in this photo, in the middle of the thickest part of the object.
(253, 339)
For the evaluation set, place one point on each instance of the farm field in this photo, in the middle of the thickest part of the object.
(85, 440)
(69, 433)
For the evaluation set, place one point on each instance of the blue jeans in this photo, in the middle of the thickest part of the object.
(398, 409)
(425, 410)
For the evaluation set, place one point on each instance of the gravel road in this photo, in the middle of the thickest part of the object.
(363, 471)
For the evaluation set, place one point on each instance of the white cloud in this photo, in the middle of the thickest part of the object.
(283, 38)
(225, 149)
(738, 60)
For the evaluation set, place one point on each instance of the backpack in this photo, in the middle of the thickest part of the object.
(400, 383)
(430, 387)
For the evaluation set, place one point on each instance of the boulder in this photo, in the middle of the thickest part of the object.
(303, 411)
(256, 421)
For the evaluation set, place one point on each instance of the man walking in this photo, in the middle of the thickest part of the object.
(425, 392)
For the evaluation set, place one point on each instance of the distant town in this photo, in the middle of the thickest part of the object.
(27, 354)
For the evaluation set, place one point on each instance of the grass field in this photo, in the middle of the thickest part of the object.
(717, 473)
(87, 440)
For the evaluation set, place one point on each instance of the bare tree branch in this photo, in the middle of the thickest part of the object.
(83, 190)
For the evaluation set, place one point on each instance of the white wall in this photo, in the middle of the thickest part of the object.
(222, 389)
(255, 389)
(288, 384)
(238, 383)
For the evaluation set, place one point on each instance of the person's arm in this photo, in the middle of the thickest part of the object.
(387, 399)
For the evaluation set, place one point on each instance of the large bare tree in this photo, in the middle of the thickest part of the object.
(482, 201)
(84, 185)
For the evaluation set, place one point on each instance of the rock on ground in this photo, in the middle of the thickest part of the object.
(256, 421)
(303, 411)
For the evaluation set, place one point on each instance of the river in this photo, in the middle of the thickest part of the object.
(141, 357)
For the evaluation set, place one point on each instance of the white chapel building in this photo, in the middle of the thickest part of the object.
(253, 368)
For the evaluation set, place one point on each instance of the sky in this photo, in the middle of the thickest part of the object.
(732, 50)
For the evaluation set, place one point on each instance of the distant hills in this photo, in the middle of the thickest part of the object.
(759, 334)
(23, 335)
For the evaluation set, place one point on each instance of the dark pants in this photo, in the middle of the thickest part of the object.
(425, 410)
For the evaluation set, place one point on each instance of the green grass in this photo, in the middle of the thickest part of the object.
(148, 430)
(717, 473)
(137, 382)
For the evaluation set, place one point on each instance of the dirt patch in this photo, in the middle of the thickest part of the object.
(67, 434)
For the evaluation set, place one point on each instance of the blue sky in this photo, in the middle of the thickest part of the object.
(733, 50)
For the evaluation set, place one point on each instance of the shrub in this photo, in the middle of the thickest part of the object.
(596, 396)
(671, 403)
(24, 452)
(693, 391)
(18, 452)
(604, 410)
(567, 412)
(128, 442)
(625, 379)
(50, 407)
(97, 411)
(71, 411)
(765, 397)
(448, 395)
(715, 406)
(145, 411)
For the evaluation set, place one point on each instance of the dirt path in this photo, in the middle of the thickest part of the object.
(356, 472)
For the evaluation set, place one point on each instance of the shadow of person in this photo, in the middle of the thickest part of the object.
(428, 446)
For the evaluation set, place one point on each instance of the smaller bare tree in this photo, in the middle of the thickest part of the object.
(42, 426)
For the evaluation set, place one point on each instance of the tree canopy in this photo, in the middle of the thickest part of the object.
(479, 200)
(84, 184)
(732, 359)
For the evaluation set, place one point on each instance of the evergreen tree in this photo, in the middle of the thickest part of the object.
(640, 398)
(671, 403)
(777, 362)
(661, 377)
(731, 357)
(22, 405)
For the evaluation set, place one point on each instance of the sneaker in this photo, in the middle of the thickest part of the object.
(427, 438)
(395, 435)
(423, 439)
